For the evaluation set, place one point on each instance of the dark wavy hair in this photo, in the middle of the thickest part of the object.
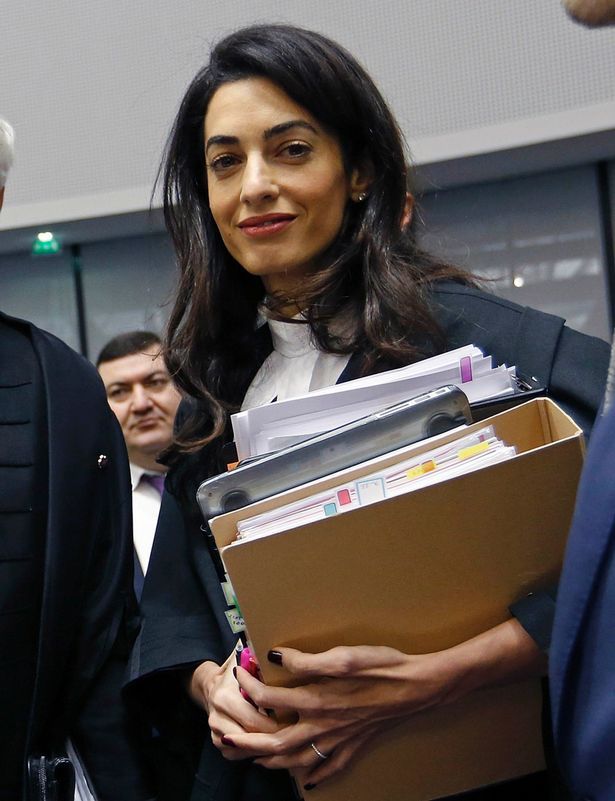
(369, 294)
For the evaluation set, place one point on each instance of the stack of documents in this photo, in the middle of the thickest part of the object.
(277, 425)
(419, 571)
(480, 449)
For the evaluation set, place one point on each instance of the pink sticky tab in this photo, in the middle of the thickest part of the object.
(465, 368)
(343, 497)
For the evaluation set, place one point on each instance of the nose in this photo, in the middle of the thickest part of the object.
(141, 401)
(258, 181)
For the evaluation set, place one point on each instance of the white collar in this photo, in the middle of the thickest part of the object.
(291, 339)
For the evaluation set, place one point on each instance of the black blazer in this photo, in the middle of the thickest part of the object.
(183, 606)
(87, 615)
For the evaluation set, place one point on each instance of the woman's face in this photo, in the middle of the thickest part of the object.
(276, 181)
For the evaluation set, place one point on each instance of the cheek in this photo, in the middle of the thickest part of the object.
(168, 404)
(328, 196)
(121, 412)
(222, 202)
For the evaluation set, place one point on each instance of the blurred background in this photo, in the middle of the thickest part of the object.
(508, 110)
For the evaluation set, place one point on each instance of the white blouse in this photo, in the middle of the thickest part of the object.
(294, 367)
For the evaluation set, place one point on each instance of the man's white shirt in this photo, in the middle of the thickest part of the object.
(145, 509)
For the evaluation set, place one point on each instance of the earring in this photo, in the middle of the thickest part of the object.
(360, 197)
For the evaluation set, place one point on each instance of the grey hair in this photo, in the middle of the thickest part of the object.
(7, 138)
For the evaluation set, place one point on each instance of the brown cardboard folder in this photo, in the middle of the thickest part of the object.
(422, 572)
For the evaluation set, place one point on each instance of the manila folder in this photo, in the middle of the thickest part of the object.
(422, 572)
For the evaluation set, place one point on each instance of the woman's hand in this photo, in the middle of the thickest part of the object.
(215, 688)
(350, 694)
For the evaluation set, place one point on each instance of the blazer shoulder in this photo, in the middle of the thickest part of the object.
(457, 298)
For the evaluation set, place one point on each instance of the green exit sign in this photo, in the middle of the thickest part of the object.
(45, 244)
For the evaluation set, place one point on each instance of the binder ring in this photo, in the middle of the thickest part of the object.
(318, 753)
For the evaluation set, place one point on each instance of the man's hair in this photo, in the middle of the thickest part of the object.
(7, 138)
(127, 344)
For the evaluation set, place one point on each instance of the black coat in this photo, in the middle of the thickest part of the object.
(87, 613)
(183, 606)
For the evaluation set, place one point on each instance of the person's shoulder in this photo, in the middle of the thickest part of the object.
(456, 296)
(52, 352)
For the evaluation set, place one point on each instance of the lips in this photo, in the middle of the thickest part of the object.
(147, 422)
(265, 224)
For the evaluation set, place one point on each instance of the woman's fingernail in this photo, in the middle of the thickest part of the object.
(227, 741)
(275, 657)
(309, 786)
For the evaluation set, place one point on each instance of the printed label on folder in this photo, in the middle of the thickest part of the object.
(235, 621)
(370, 490)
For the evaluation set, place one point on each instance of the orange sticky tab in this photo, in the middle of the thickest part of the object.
(421, 469)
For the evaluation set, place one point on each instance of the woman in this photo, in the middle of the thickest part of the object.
(285, 195)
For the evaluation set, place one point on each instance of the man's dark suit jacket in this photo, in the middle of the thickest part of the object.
(183, 607)
(86, 602)
(582, 659)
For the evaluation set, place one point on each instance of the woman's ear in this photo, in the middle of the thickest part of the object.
(360, 181)
(406, 217)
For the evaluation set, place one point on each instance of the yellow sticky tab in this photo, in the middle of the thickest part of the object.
(421, 469)
(473, 450)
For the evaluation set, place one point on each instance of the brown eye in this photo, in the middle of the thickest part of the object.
(118, 394)
(296, 149)
(222, 163)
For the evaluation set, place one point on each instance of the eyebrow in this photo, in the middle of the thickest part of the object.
(270, 133)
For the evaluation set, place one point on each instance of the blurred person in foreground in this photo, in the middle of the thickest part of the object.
(66, 601)
(144, 400)
(582, 657)
(592, 13)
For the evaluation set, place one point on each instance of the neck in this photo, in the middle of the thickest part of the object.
(284, 286)
(147, 462)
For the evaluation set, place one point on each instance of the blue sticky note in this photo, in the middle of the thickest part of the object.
(330, 509)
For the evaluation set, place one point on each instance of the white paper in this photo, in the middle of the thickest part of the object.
(267, 428)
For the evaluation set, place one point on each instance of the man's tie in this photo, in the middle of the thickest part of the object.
(156, 480)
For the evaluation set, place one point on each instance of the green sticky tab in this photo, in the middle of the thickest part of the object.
(229, 593)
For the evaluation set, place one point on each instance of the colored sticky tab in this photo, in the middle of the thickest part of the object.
(343, 497)
(473, 450)
(421, 469)
(229, 595)
(330, 509)
(235, 621)
(370, 490)
(465, 369)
